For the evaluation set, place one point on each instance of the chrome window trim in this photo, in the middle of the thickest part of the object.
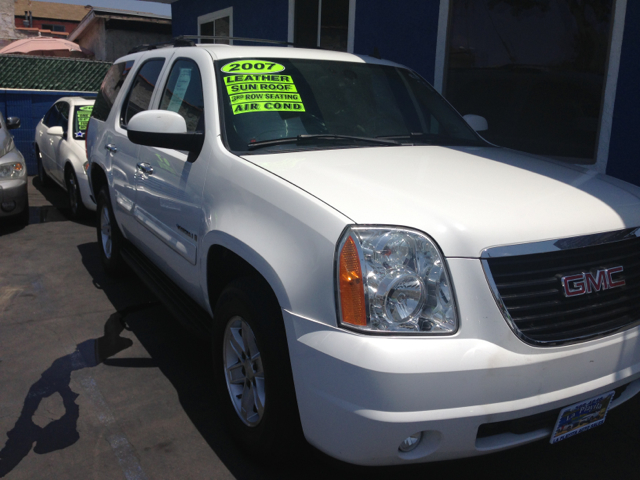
(545, 247)
(568, 243)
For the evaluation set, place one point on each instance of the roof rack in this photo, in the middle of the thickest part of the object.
(187, 41)
(243, 39)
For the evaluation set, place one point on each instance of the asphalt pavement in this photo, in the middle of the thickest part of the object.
(97, 380)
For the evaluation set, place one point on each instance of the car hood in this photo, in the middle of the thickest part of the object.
(466, 198)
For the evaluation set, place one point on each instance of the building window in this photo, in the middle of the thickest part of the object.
(534, 69)
(324, 23)
(216, 24)
(53, 28)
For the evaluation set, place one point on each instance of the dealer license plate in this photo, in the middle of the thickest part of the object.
(581, 417)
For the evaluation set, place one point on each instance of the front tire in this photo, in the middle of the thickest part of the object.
(252, 371)
(110, 238)
(78, 210)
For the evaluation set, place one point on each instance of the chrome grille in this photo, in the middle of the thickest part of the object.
(529, 290)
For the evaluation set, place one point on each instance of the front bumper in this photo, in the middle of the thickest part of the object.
(85, 191)
(13, 196)
(359, 396)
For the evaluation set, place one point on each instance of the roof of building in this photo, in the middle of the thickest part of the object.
(57, 11)
(98, 13)
(27, 72)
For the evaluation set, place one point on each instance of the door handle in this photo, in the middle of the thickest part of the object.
(145, 168)
(111, 147)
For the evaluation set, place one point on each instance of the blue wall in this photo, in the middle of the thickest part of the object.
(404, 31)
(30, 106)
(624, 161)
(251, 18)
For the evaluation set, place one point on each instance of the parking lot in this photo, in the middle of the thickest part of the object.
(98, 381)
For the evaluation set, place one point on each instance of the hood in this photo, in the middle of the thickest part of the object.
(466, 198)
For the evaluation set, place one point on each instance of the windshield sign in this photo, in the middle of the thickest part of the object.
(81, 120)
(284, 104)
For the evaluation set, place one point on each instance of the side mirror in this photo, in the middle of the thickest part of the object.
(478, 123)
(56, 131)
(13, 122)
(163, 129)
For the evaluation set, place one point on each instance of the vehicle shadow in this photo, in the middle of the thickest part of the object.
(57, 198)
(185, 361)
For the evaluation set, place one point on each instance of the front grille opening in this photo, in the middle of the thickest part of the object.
(520, 426)
(530, 288)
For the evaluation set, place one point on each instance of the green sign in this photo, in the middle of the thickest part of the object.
(250, 93)
(252, 66)
(83, 114)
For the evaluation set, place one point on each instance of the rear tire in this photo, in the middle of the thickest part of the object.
(78, 210)
(252, 371)
(110, 238)
(45, 181)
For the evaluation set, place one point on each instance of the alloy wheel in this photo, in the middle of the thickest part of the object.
(105, 231)
(243, 371)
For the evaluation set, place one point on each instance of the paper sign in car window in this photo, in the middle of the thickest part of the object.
(263, 93)
(180, 89)
(252, 66)
(83, 114)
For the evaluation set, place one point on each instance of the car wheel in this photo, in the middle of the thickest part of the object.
(109, 236)
(42, 174)
(78, 210)
(253, 372)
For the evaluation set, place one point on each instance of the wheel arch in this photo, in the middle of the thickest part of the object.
(97, 179)
(229, 259)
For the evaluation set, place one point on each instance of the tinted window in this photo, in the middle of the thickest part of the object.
(63, 115)
(51, 117)
(183, 94)
(110, 88)
(141, 90)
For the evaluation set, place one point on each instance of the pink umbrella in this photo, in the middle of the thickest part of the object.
(51, 47)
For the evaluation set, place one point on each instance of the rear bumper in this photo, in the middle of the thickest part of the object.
(360, 396)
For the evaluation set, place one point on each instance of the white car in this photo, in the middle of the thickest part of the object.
(14, 200)
(61, 150)
(373, 274)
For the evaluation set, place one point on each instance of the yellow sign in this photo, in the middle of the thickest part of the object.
(252, 66)
(83, 114)
(267, 107)
(262, 93)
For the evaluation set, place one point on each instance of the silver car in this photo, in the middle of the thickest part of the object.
(14, 200)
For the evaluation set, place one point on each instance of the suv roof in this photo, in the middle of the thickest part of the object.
(222, 51)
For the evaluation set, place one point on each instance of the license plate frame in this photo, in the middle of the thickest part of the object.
(581, 416)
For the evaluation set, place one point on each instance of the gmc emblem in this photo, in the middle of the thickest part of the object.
(588, 282)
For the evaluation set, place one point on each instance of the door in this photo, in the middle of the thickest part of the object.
(123, 152)
(169, 183)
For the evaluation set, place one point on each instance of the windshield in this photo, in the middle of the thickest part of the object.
(81, 118)
(284, 104)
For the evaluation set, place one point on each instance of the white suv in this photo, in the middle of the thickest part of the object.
(374, 275)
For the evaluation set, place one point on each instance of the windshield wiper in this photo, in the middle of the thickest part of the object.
(432, 139)
(319, 136)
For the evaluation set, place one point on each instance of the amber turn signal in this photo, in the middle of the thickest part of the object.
(352, 302)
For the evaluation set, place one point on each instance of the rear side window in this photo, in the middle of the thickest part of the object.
(110, 88)
(183, 94)
(63, 115)
(141, 90)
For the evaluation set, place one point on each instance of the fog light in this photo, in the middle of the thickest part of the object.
(410, 442)
(8, 206)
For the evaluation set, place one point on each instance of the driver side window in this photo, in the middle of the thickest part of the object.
(183, 94)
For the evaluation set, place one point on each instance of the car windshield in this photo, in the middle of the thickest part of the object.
(81, 116)
(287, 104)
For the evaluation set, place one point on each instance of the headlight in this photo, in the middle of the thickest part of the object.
(393, 280)
(12, 170)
